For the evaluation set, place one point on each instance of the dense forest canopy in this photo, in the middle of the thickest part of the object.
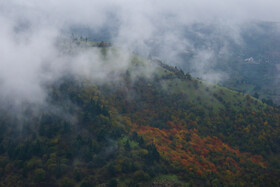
(139, 93)
(140, 129)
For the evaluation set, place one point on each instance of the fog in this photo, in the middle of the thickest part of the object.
(30, 29)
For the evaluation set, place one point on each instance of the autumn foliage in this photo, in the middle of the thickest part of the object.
(201, 156)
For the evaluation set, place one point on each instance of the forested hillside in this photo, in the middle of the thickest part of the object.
(161, 128)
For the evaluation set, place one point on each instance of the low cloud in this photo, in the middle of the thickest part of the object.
(30, 30)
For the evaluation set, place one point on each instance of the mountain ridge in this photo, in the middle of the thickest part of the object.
(142, 129)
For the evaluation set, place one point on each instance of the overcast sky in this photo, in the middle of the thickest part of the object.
(29, 29)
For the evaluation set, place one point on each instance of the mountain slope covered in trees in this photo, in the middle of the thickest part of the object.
(142, 128)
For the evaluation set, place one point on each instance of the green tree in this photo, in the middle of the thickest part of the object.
(39, 175)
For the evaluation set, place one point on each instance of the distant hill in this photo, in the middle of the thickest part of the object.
(251, 63)
(157, 128)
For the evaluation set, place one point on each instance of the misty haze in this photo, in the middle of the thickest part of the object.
(139, 93)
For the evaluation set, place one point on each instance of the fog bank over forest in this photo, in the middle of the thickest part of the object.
(164, 29)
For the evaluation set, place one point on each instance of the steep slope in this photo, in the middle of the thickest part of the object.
(172, 96)
(171, 109)
(151, 125)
